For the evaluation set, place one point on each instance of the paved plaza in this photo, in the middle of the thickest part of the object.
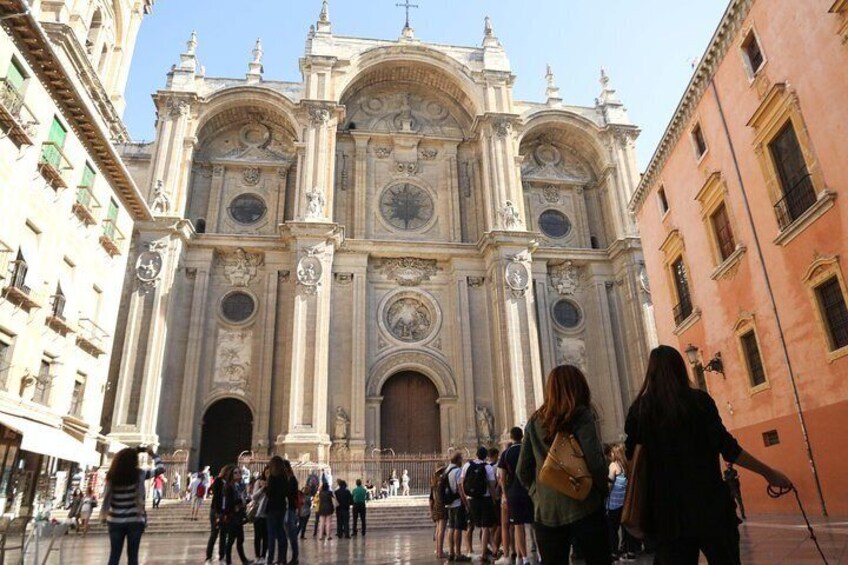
(766, 540)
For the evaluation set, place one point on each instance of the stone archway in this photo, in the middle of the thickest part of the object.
(227, 431)
(409, 414)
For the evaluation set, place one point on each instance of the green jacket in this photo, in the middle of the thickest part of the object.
(552, 508)
(359, 494)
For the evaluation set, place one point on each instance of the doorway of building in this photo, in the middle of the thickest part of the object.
(409, 414)
(227, 431)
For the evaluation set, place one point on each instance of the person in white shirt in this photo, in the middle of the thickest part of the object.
(457, 518)
(477, 488)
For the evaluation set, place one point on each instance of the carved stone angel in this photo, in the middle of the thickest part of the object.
(315, 205)
(161, 202)
(509, 216)
(485, 423)
(241, 269)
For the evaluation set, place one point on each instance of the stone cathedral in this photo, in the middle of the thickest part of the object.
(391, 253)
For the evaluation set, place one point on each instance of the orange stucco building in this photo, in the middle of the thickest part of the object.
(743, 212)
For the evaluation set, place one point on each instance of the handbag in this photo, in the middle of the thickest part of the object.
(565, 469)
(634, 514)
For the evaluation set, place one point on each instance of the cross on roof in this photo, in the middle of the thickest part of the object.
(407, 5)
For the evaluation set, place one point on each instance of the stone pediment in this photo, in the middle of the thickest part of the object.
(402, 112)
(548, 162)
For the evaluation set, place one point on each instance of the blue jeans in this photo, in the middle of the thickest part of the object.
(276, 535)
(117, 532)
(292, 526)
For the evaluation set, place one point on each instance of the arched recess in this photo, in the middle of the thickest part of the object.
(431, 367)
(227, 430)
(246, 140)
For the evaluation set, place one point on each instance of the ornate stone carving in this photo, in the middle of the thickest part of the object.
(342, 425)
(409, 271)
(503, 128)
(240, 267)
(547, 162)
(148, 266)
(383, 152)
(344, 279)
(407, 168)
(233, 361)
(319, 116)
(551, 194)
(510, 219)
(161, 201)
(571, 352)
(384, 110)
(315, 203)
(565, 278)
(251, 176)
(465, 178)
(176, 107)
(644, 282)
(476, 282)
(429, 154)
(343, 176)
(406, 207)
(517, 274)
(409, 318)
(485, 424)
(217, 170)
(310, 270)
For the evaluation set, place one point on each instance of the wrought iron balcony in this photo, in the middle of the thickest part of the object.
(85, 204)
(16, 290)
(795, 201)
(91, 338)
(56, 318)
(15, 116)
(682, 311)
(111, 238)
(52, 165)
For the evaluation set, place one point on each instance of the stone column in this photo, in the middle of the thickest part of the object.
(216, 195)
(359, 352)
(515, 332)
(262, 420)
(360, 187)
(609, 389)
(467, 433)
(501, 176)
(169, 158)
(317, 172)
(546, 333)
(306, 416)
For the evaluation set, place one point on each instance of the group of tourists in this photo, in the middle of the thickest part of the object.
(558, 476)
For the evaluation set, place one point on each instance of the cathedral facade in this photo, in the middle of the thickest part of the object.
(391, 253)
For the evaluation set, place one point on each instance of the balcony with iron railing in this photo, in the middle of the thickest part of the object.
(85, 204)
(111, 238)
(15, 116)
(797, 200)
(52, 164)
(682, 311)
(16, 291)
(91, 338)
(56, 317)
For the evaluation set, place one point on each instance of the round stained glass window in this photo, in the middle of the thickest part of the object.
(247, 209)
(406, 207)
(554, 223)
(567, 314)
(238, 307)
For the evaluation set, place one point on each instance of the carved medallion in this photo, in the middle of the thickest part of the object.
(551, 194)
(310, 270)
(565, 278)
(251, 176)
(240, 267)
(409, 318)
(148, 267)
(406, 207)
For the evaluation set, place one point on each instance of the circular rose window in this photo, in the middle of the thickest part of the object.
(247, 209)
(567, 314)
(237, 307)
(406, 207)
(554, 223)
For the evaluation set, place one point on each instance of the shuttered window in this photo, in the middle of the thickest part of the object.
(834, 311)
(55, 142)
(723, 232)
(756, 371)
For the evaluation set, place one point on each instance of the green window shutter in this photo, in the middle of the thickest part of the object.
(57, 133)
(50, 153)
(15, 76)
(112, 215)
(88, 175)
(109, 224)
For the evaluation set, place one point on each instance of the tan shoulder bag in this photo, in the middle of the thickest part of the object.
(565, 469)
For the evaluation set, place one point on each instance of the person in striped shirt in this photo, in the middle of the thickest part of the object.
(123, 501)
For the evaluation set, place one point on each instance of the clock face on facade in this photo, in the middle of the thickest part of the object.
(406, 207)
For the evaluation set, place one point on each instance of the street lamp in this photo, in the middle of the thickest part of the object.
(715, 364)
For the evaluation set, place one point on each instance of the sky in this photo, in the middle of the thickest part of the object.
(646, 46)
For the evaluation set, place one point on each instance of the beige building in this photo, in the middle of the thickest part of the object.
(67, 205)
(390, 253)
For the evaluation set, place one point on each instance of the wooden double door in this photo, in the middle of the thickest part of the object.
(409, 414)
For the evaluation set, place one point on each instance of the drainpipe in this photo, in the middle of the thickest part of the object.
(787, 361)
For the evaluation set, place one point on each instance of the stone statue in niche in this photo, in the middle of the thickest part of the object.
(161, 201)
(408, 319)
(485, 424)
(341, 429)
(315, 203)
(510, 219)
(241, 267)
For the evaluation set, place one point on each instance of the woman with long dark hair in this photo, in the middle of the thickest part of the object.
(277, 491)
(234, 515)
(217, 528)
(689, 509)
(294, 501)
(559, 519)
(123, 502)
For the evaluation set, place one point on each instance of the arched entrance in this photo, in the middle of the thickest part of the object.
(227, 431)
(409, 414)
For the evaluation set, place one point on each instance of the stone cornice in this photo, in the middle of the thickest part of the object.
(730, 23)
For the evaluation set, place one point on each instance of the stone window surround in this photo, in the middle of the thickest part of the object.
(779, 107)
(232, 323)
(745, 324)
(581, 325)
(674, 248)
(743, 54)
(696, 126)
(821, 270)
(712, 195)
(840, 7)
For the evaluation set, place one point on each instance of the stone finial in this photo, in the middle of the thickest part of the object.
(191, 44)
(489, 37)
(255, 68)
(324, 25)
(188, 59)
(552, 93)
(608, 95)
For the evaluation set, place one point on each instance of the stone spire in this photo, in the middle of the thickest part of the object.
(188, 60)
(255, 68)
(489, 37)
(182, 77)
(608, 95)
(552, 93)
(324, 25)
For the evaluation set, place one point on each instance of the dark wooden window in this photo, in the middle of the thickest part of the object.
(752, 356)
(753, 53)
(663, 200)
(681, 284)
(723, 232)
(771, 438)
(700, 377)
(700, 142)
(795, 182)
(834, 311)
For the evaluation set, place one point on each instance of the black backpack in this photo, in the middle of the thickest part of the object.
(476, 482)
(448, 495)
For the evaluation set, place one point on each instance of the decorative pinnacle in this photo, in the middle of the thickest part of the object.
(608, 95)
(324, 17)
(257, 51)
(488, 30)
(191, 44)
(552, 91)
(604, 79)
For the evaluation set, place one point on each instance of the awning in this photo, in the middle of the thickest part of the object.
(47, 440)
